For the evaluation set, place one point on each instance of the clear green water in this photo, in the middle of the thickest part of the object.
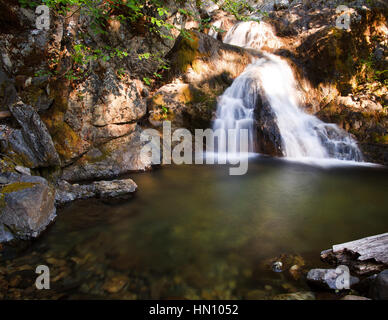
(195, 232)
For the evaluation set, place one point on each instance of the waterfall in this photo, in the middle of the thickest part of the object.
(252, 34)
(236, 107)
(270, 77)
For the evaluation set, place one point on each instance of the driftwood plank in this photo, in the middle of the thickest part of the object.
(375, 247)
(364, 256)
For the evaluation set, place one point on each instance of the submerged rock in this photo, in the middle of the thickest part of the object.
(296, 296)
(27, 205)
(67, 192)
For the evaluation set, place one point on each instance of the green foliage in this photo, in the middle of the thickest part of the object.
(372, 73)
(240, 9)
(147, 81)
(164, 111)
(151, 14)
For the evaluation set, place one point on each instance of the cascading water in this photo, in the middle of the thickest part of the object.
(235, 109)
(302, 135)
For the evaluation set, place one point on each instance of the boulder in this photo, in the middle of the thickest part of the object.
(33, 139)
(379, 287)
(117, 157)
(330, 279)
(26, 204)
(67, 192)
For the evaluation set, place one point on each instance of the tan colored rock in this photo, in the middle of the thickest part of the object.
(116, 157)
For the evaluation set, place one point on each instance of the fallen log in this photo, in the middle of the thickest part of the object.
(363, 257)
(5, 114)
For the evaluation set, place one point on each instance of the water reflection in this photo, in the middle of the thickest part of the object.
(195, 232)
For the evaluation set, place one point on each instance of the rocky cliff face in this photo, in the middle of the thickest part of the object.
(91, 116)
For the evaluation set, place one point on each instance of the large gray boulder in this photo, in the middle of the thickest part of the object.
(26, 204)
(32, 142)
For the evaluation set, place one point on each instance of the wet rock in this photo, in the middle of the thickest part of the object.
(330, 279)
(269, 139)
(27, 205)
(295, 296)
(67, 192)
(379, 287)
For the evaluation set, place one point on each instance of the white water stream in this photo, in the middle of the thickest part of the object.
(302, 135)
